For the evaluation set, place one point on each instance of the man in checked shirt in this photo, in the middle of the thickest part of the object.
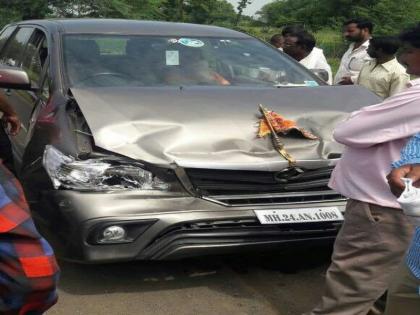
(28, 269)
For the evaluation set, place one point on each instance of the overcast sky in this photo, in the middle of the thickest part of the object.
(251, 8)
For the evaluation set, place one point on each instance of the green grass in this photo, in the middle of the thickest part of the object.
(331, 42)
(333, 45)
(334, 62)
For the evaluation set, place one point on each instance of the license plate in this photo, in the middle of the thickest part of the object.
(299, 215)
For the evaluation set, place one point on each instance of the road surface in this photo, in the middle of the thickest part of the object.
(278, 283)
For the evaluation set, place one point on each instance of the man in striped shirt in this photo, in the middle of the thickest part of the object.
(404, 292)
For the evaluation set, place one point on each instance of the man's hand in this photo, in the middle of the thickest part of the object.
(345, 81)
(409, 171)
(14, 123)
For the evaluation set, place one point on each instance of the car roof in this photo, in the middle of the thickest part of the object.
(135, 27)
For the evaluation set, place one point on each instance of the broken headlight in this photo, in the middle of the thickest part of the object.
(97, 174)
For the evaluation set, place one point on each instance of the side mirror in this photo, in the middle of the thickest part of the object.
(321, 73)
(14, 78)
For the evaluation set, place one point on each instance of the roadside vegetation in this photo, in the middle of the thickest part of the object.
(322, 17)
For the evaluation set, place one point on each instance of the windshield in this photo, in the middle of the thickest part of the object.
(98, 60)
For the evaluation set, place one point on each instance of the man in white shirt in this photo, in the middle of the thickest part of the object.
(383, 75)
(358, 32)
(300, 45)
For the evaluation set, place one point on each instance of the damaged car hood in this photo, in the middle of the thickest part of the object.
(216, 127)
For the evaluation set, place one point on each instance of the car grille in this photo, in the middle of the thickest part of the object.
(224, 235)
(238, 188)
(246, 224)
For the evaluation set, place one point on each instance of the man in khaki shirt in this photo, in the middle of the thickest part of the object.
(383, 75)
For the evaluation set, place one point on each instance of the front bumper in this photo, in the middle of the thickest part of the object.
(172, 227)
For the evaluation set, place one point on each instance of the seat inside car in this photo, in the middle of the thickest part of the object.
(142, 61)
(82, 59)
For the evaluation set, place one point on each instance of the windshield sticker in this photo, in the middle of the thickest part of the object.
(311, 83)
(172, 58)
(172, 41)
(191, 42)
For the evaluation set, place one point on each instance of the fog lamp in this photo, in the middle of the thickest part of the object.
(113, 234)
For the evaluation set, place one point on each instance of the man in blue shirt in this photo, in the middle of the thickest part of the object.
(404, 291)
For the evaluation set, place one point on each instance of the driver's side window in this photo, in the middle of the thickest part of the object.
(15, 47)
(35, 57)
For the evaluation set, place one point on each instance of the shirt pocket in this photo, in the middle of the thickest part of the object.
(356, 64)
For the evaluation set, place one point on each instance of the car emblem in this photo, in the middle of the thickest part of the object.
(287, 174)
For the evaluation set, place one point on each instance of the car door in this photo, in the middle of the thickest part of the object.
(27, 49)
(5, 147)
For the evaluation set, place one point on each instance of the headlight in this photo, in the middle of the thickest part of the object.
(97, 174)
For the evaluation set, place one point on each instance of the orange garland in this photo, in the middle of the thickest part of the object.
(281, 125)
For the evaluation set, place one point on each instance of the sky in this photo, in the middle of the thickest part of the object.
(251, 9)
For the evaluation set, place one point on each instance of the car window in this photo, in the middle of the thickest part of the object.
(15, 47)
(35, 56)
(98, 60)
(5, 34)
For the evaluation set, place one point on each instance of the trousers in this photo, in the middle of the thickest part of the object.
(367, 250)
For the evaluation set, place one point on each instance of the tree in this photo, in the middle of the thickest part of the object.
(389, 16)
(218, 12)
(241, 7)
(173, 10)
(22, 10)
(32, 9)
(147, 10)
(198, 11)
(210, 12)
(90, 8)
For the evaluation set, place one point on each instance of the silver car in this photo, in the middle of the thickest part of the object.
(139, 139)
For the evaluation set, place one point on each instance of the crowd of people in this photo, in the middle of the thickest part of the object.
(382, 146)
(368, 61)
(377, 248)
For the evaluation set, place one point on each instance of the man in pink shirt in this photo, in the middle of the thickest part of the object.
(375, 233)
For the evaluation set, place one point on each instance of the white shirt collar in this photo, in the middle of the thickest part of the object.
(364, 45)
